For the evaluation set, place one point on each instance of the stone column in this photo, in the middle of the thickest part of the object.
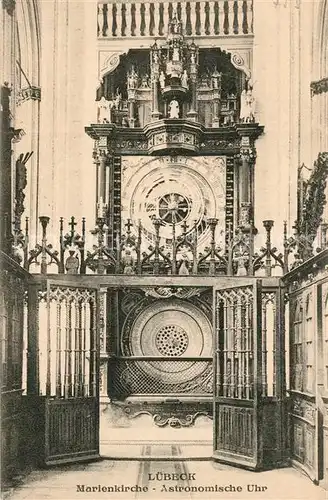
(155, 111)
(192, 113)
(28, 108)
(216, 113)
(7, 66)
(68, 95)
(131, 117)
(100, 156)
(246, 185)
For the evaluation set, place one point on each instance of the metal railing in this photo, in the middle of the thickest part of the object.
(73, 255)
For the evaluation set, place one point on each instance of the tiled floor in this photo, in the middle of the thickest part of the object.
(193, 480)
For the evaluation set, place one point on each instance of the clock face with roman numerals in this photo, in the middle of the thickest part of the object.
(182, 192)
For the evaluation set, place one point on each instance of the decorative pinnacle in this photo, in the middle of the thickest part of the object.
(44, 220)
(268, 224)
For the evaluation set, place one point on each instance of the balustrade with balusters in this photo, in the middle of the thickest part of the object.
(150, 19)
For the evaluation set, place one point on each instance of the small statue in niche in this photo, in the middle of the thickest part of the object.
(72, 263)
(241, 268)
(216, 80)
(103, 110)
(176, 53)
(174, 109)
(118, 99)
(155, 57)
(184, 79)
(132, 79)
(183, 269)
(128, 262)
(145, 81)
(162, 79)
(203, 80)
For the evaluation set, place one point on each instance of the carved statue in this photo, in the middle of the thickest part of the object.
(128, 263)
(241, 269)
(21, 175)
(174, 109)
(183, 269)
(216, 80)
(250, 101)
(132, 79)
(72, 263)
(144, 82)
(103, 110)
(155, 57)
(21, 183)
(184, 79)
(247, 106)
(162, 79)
(204, 80)
(118, 99)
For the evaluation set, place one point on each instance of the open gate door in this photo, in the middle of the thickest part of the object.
(70, 367)
(237, 374)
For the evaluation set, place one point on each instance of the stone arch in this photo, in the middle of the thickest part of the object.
(320, 40)
(29, 39)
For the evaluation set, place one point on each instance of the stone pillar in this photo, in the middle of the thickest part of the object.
(68, 95)
(131, 117)
(276, 108)
(28, 108)
(246, 184)
(216, 114)
(192, 113)
(154, 65)
(155, 111)
(7, 66)
(8, 60)
(102, 177)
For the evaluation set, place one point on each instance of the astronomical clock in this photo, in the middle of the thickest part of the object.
(174, 151)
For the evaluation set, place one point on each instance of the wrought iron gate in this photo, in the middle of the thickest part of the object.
(237, 375)
(66, 315)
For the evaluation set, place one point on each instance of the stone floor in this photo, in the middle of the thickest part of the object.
(192, 480)
(121, 437)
